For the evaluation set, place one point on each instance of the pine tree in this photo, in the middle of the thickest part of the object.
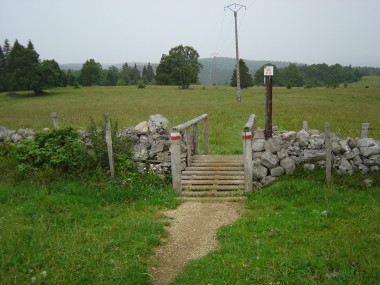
(246, 79)
(149, 73)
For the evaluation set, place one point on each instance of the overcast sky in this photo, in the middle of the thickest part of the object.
(118, 31)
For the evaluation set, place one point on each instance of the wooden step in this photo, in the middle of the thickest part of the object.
(213, 174)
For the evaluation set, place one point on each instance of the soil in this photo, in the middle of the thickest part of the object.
(192, 234)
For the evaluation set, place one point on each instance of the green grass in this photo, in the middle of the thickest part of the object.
(286, 237)
(79, 232)
(344, 108)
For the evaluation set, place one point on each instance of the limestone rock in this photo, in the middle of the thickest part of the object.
(267, 180)
(3, 133)
(141, 152)
(314, 132)
(16, 137)
(258, 134)
(269, 159)
(282, 153)
(277, 171)
(374, 168)
(258, 145)
(157, 123)
(351, 142)
(259, 171)
(273, 144)
(141, 128)
(288, 164)
(344, 146)
(343, 166)
(313, 155)
(288, 136)
(309, 166)
(363, 168)
(303, 138)
(316, 141)
(335, 147)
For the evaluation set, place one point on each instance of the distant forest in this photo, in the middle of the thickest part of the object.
(219, 70)
(22, 69)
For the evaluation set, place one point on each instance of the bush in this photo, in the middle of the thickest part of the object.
(141, 84)
(58, 149)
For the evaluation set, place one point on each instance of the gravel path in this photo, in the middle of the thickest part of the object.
(192, 234)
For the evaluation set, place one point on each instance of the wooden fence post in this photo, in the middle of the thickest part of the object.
(55, 120)
(196, 139)
(328, 153)
(205, 135)
(109, 147)
(365, 128)
(175, 153)
(248, 167)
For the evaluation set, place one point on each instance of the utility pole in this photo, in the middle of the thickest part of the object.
(235, 8)
(215, 80)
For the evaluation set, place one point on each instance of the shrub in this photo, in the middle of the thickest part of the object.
(141, 84)
(58, 149)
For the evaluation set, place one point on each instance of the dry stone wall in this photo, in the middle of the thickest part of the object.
(286, 150)
(280, 155)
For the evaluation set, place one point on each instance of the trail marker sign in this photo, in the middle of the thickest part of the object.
(268, 70)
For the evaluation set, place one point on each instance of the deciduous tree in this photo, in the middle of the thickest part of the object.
(180, 67)
(90, 73)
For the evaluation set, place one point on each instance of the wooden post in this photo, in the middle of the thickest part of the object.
(328, 153)
(248, 167)
(205, 135)
(305, 126)
(175, 152)
(109, 147)
(268, 76)
(188, 145)
(55, 120)
(365, 128)
(196, 139)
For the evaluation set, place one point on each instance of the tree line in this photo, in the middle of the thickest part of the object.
(308, 76)
(21, 69)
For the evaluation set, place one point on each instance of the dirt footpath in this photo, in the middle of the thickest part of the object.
(192, 234)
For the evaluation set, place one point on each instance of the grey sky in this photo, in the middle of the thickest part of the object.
(117, 31)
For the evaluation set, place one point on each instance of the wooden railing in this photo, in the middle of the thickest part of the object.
(189, 132)
(247, 136)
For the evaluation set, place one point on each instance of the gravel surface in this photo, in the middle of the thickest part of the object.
(192, 234)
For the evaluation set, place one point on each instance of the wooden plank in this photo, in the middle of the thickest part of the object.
(212, 187)
(219, 172)
(211, 177)
(217, 168)
(213, 182)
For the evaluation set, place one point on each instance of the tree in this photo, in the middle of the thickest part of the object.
(149, 73)
(52, 75)
(23, 68)
(134, 75)
(2, 70)
(292, 76)
(112, 75)
(246, 79)
(124, 74)
(90, 73)
(180, 67)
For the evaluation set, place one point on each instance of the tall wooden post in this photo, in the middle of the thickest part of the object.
(55, 120)
(109, 147)
(248, 167)
(175, 151)
(328, 153)
(205, 135)
(268, 73)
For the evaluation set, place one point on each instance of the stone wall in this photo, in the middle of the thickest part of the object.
(287, 149)
(277, 156)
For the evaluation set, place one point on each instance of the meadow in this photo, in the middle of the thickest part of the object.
(344, 108)
(90, 229)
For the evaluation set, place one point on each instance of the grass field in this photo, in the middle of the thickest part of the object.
(344, 108)
(298, 231)
(89, 229)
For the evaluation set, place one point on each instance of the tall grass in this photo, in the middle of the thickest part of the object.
(344, 108)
